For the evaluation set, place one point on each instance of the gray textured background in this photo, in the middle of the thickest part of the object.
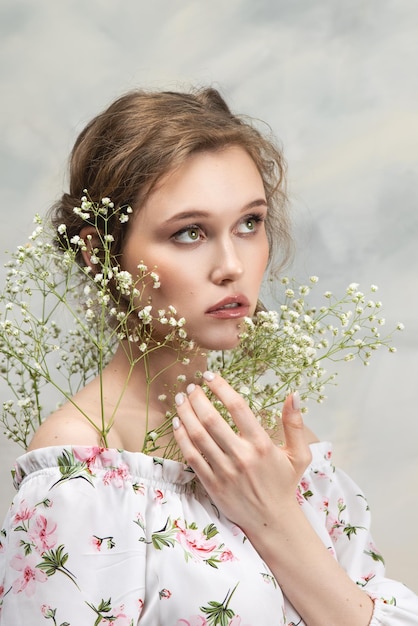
(338, 83)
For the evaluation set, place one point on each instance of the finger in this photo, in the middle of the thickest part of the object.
(241, 413)
(294, 432)
(213, 423)
(195, 440)
(192, 456)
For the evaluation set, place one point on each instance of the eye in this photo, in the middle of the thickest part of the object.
(191, 234)
(250, 223)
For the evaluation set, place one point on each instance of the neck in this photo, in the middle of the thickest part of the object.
(147, 383)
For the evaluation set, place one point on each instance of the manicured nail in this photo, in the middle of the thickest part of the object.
(179, 398)
(296, 401)
(208, 376)
(176, 423)
(190, 388)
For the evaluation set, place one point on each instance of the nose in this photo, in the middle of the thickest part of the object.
(227, 266)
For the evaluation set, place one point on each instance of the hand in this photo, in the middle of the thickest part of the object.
(248, 477)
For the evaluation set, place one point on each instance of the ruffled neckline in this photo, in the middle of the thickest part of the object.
(137, 464)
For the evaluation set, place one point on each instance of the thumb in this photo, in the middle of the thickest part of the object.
(294, 432)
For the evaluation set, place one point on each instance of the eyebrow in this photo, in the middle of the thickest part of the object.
(196, 213)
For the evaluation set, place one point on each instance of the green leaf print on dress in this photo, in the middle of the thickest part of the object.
(71, 469)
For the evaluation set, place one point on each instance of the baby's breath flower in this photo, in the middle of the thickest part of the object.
(84, 215)
(352, 287)
(145, 314)
(123, 281)
(279, 351)
(90, 315)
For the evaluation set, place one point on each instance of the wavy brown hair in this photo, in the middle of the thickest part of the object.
(124, 151)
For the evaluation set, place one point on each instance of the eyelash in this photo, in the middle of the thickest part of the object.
(258, 218)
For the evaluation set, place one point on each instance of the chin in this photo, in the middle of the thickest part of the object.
(222, 343)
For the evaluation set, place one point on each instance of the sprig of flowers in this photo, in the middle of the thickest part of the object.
(51, 339)
(288, 349)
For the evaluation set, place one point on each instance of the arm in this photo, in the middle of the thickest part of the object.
(254, 483)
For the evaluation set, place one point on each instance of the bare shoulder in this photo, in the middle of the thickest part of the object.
(66, 426)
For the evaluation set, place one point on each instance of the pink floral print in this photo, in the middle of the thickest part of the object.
(30, 575)
(99, 537)
(198, 545)
(117, 476)
(24, 513)
(195, 542)
(42, 534)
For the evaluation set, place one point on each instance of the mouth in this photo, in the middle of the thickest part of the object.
(232, 307)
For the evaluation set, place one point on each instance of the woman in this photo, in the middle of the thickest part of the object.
(247, 532)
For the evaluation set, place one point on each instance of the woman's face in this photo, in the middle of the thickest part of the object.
(203, 229)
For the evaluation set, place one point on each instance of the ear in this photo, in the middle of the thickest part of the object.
(91, 238)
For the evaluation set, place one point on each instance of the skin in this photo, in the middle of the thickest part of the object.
(243, 472)
(203, 227)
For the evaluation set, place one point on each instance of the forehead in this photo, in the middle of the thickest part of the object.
(228, 173)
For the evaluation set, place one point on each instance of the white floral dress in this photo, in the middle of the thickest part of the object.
(100, 537)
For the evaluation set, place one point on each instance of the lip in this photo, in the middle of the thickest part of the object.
(221, 310)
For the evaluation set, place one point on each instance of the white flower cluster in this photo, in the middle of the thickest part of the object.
(60, 323)
(285, 350)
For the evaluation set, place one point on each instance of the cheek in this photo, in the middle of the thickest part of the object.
(263, 258)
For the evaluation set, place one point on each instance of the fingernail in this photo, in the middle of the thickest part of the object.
(296, 401)
(179, 398)
(176, 423)
(190, 388)
(208, 376)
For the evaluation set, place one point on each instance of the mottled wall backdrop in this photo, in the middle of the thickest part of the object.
(338, 83)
